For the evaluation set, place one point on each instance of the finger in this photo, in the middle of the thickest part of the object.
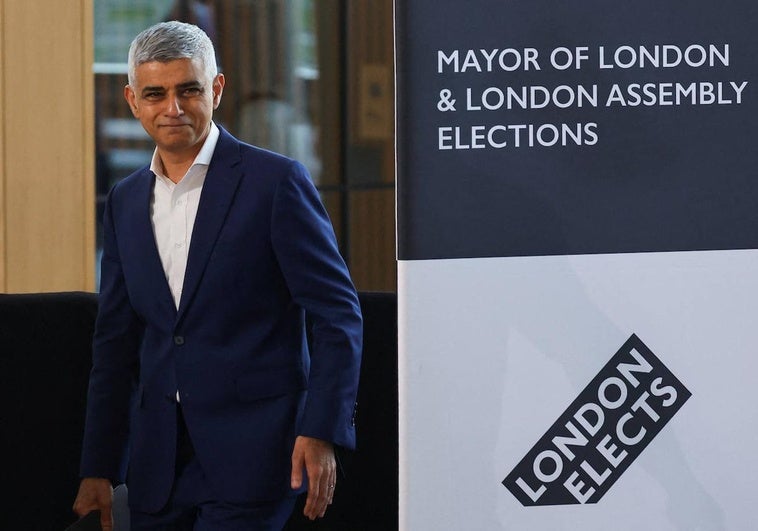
(329, 495)
(106, 520)
(321, 503)
(330, 485)
(325, 506)
(318, 481)
(311, 503)
(82, 508)
(326, 491)
(84, 503)
(106, 514)
(296, 479)
(321, 495)
(314, 490)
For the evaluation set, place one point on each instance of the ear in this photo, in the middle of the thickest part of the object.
(131, 99)
(218, 89)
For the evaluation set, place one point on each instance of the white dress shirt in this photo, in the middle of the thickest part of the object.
(173, 208)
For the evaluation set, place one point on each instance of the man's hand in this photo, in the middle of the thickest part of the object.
(317, 458)
(95, 494)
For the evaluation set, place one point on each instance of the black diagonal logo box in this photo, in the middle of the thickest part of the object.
(602, 432)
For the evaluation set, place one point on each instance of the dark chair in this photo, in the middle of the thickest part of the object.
(45, 342)
(45, 359)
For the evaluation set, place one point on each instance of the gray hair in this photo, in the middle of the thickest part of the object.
(169, 41)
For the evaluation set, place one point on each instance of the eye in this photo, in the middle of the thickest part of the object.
(152, 96)
(193, 91)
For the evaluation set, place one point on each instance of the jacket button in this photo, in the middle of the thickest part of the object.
(179, 340)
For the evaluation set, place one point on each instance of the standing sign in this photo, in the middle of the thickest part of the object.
(578, 264)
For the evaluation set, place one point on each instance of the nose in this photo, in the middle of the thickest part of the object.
(173, 107)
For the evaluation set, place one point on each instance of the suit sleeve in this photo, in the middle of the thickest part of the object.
(114, 368)
(318, 280)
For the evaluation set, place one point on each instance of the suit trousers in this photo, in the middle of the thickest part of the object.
(192, 507)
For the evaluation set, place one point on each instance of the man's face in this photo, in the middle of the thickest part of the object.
(174, 101)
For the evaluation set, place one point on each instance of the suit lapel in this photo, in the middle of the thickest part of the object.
(145, 248)
(218, 192)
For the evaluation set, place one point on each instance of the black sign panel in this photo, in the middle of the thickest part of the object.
(552, 128)
(602, 432)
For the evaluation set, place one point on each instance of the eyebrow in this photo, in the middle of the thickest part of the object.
(189, 84)
(180, 86)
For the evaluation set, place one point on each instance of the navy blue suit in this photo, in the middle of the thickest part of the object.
(262, 253)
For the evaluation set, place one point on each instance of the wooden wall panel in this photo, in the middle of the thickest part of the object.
(372, 239)
(3, 253)
(47, 146)
(371, 136)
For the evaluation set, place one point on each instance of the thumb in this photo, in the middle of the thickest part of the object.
(296, 481)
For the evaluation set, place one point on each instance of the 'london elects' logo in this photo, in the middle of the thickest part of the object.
(602, 432)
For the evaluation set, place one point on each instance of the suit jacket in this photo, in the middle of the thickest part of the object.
(263, 253)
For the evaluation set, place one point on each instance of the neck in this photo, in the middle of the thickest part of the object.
(175, 168)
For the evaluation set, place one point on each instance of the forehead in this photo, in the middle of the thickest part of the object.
(168, 74)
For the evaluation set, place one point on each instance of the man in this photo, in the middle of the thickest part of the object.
(202, 381)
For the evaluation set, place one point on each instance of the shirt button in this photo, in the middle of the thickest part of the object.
(178, 245)
(179, 340)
